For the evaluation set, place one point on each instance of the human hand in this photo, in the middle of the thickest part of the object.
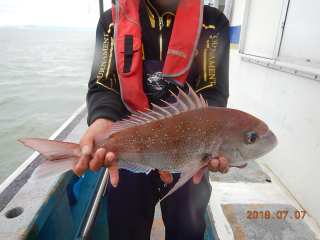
(101, 158)
(165, 177)
(215, 165)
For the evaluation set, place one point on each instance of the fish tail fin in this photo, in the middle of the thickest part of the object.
(60, 157)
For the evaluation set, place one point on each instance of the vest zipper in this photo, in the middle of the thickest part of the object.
(160, 35)
(160, 27)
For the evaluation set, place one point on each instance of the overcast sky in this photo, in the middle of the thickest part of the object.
(69, 13)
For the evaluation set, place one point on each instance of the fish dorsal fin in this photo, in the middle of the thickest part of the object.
(134, 120)
(185, 102)
(161, 110)
(194, 98)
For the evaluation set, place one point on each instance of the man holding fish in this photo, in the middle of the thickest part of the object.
(131, 203)
(134, 195)
(152, 58)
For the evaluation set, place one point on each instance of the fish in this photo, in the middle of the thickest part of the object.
(182, 137)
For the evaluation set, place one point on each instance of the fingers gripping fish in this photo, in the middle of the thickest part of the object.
(182, 137)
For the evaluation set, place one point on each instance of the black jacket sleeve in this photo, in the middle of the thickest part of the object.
(103, 97)
(213, 57)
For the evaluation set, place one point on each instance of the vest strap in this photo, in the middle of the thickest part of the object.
(128, 53)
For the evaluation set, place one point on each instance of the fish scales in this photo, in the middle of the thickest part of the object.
(169, 144)
(172, 143)
(182, 137)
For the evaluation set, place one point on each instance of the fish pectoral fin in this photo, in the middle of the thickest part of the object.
(187, 174)
(134, 167)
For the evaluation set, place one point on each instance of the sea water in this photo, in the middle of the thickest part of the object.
(43, 81)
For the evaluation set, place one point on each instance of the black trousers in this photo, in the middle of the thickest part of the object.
(131, 207)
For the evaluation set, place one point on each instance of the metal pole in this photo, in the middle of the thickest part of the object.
(86, 224)
(101, 6)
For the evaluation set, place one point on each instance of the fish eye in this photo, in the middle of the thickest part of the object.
(252, 137)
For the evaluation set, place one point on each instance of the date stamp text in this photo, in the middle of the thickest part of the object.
(279, 215)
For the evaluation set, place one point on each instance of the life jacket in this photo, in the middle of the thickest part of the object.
(128, 51)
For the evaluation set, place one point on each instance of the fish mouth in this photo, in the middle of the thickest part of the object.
(271, 140)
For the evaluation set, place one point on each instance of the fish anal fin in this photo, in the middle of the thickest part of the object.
(134, 167)
(188, 173)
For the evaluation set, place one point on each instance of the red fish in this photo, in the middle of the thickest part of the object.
(182, 137)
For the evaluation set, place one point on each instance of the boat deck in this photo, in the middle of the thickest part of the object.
(251, 203)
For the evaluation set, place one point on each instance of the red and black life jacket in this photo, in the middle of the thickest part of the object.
(128, 51)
